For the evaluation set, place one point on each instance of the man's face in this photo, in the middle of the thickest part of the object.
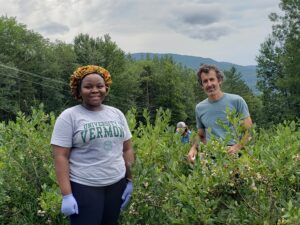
(210, 83)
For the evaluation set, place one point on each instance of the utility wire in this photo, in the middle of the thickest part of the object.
(32, 74)
(137, 104)
(19, 78)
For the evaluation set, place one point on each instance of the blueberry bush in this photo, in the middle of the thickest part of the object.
(261, 185)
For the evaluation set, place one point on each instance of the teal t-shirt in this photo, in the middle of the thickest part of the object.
(208, 113)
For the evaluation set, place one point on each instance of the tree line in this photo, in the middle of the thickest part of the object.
(35, 70)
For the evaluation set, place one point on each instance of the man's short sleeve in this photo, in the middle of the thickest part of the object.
(199, 124)
(242, 108)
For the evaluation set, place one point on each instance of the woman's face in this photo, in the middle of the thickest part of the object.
(181, 130)
(93, 91)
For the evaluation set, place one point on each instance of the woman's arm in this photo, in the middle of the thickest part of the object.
(128, 156)
(61, 159)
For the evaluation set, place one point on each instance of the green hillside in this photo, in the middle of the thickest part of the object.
(193, 62)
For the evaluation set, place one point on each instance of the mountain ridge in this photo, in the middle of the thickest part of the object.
(193, 62)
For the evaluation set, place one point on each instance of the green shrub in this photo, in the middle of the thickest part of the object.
(261, 186)
(255, 188)
(26, 169)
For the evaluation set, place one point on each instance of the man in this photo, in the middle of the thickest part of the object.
(213, 109)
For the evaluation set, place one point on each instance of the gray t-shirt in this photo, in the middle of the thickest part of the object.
(208, 113)
(96, 140)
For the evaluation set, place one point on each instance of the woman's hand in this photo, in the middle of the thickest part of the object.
(69, 205)
(127, 194)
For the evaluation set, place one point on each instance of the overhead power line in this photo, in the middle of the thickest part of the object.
(33, 74)
(19, 78)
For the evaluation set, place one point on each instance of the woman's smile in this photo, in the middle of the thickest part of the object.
(93, 91)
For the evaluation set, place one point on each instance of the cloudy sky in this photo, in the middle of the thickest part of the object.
(224, 30)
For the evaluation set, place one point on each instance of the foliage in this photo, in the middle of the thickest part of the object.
(261, 186)
(234, 84)
(27, 173)
(278, 65)
(9, 89)
(37, 71)
(163, 83)
(33, 68)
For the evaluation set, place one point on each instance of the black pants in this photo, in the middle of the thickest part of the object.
(97, 205)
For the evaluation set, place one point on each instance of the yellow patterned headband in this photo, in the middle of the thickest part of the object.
(82, 71)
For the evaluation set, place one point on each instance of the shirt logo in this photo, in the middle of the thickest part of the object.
(105, 129)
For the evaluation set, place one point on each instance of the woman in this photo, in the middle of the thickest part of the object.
(184, 131)
(92, 152)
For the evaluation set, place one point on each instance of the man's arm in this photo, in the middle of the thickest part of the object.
(193, 151)
(236, 147)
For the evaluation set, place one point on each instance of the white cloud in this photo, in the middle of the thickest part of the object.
(228, 30)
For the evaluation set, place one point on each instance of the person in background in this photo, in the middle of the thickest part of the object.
(213, 109)
(92, 152)
(184, 131)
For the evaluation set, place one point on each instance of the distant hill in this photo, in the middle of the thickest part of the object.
(193, 62)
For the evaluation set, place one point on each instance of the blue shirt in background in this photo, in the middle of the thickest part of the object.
(186, 138)
(208, 113)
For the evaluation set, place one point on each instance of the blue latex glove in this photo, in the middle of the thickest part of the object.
(127, 194)
(69, 205)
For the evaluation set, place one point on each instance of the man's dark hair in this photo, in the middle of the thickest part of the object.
(205, 68)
